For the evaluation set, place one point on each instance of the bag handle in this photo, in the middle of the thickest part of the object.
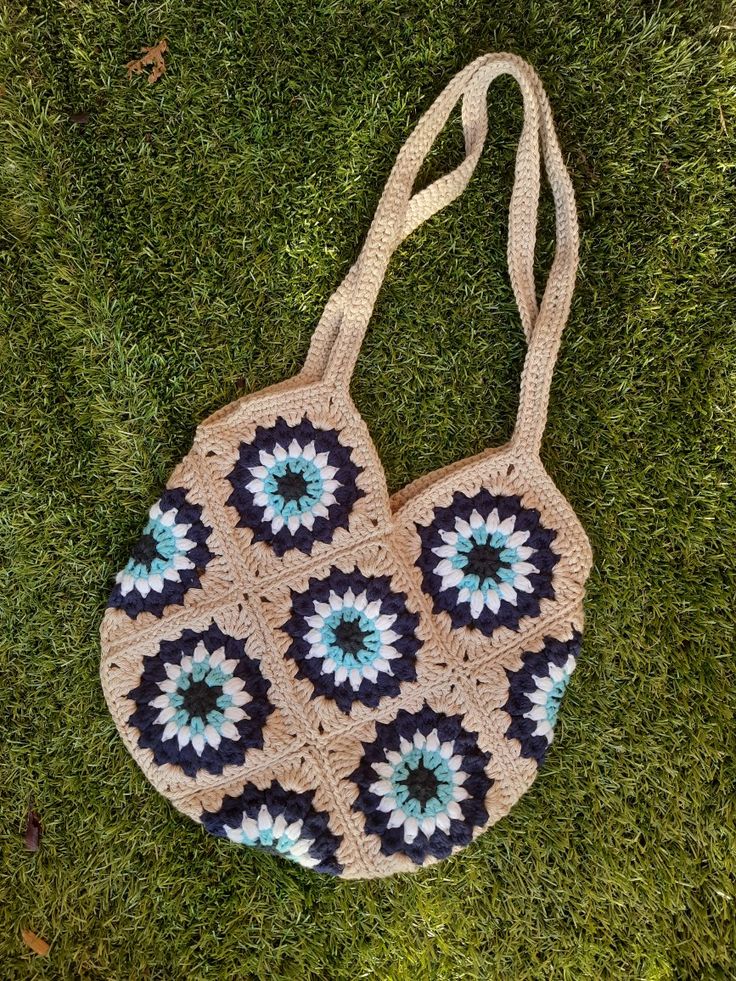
(339, 334)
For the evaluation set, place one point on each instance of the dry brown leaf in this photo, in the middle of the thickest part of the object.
(37, 945)
(151, 57)
(32, 837)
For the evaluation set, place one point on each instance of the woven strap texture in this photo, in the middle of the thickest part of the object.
(338, 337)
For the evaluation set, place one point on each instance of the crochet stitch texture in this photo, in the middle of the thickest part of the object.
(360, 683)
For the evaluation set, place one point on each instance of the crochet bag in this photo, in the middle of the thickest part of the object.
(359, 683)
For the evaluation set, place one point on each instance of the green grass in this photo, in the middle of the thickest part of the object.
(175, 252)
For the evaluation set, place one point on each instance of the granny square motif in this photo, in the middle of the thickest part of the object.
(360, 683)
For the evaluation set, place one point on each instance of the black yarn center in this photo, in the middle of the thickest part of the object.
(422, 784)
(146, 550)
(291, 486)
(200, 699)
(350, 636)
(483, 561)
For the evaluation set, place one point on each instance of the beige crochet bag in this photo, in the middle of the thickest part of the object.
(360, 683)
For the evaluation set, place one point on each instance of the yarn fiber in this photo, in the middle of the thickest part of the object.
(301, 663)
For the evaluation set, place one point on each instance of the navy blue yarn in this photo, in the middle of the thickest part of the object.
(324, 528)
(522, 684)
(173, 592)
(229, 752)
(294, 807)
(392, 602)
(438, 844)
(540, 538)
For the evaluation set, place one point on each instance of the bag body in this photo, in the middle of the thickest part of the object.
(357, 682)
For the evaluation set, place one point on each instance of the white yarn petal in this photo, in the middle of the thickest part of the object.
(233, 686)
(234, 713)
(476, 603)
(165, 715)
(380, 788)
(493, 601)
(396, 819)
(524, 552)
(383, 770)
(301, 846)
(279, 826)
(411, 829)
(524, 568)
(507, 526)
(212, 736)
(451, 580)
(445, 551)
(443, 821)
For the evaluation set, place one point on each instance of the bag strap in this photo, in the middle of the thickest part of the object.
(339, 334)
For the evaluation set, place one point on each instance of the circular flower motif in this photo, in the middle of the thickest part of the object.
(487, 561)
(168, 559)
(201, 702)
(279, 821)
(422, 784)
(353, 638)
(294, 485)
(535, 693)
